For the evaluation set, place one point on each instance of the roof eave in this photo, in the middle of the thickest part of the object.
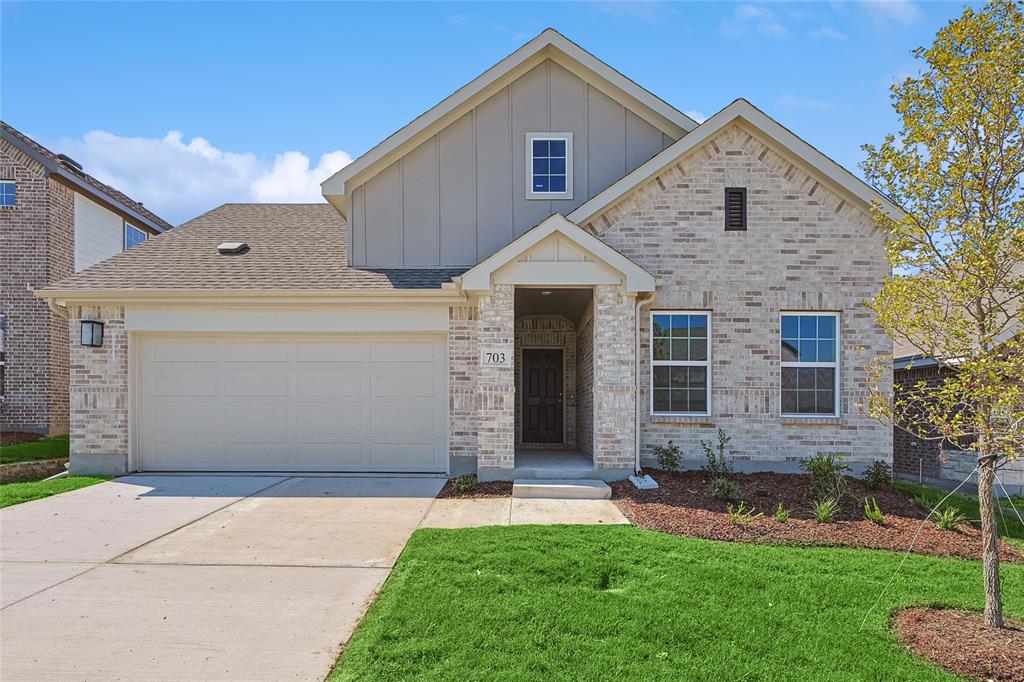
(62, 297)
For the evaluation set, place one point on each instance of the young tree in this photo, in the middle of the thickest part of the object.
(956, 168)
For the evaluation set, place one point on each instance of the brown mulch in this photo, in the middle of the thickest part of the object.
(15, 437)
(960, 642)
(492, 489)
(682, 506)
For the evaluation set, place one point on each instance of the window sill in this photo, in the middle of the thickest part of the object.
(691, 419)
(792, 420)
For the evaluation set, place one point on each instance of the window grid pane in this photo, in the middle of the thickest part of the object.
(549, 165)
(679, 349)
(809, 356)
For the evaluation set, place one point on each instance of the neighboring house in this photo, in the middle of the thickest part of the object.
(550, 267)
(54, 221)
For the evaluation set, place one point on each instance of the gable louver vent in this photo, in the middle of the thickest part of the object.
(735, 209)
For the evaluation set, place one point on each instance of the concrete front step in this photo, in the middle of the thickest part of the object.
(561, 489)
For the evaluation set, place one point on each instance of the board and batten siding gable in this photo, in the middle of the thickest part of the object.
(461, 195)
(99, 233)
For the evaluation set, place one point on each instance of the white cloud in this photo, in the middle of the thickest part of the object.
(829, 33)
(698, 116)
(753, 17)
(179, 179)
(885, 13)
(789, 101)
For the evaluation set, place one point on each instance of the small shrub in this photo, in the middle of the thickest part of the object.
(878, 475)
(949, 518)
(873, 513)
(826, 509)
(781, 514)
(826, 473)
(741, 516)
(465, 483)
(668, 456)
(717, 465)
(725, 490)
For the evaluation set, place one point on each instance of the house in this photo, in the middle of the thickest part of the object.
(55, 220)
(551, 272)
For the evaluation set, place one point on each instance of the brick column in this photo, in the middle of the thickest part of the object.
(496, 385)
(614, 399)
(98, 392)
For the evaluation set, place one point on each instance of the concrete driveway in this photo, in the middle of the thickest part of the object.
(198, 577)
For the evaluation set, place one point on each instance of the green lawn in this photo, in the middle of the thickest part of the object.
(16, 493)
(621, 603)
(44, 448)
(1010, 526)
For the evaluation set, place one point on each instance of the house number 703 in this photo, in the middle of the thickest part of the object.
(495, 358)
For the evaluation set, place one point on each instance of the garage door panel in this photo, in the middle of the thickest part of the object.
(404, 351)
(184, 384)
(333, 383)
(355, 351)
(293, 403)
(260, 384)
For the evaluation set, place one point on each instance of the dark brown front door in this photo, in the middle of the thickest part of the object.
(542, 395)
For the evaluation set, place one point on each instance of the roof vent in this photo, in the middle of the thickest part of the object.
(231, 248)
(70, 163)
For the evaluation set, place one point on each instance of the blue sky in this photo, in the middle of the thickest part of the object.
(187, 105)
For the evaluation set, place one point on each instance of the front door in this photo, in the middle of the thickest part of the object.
(542, 395)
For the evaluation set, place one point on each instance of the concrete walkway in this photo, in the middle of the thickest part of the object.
(217, 577)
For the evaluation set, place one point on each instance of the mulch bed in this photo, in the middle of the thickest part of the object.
(15, 437)
(960, 642)
(682, 506)
(482, 490)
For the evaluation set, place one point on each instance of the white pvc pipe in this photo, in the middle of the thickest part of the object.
(640, 302)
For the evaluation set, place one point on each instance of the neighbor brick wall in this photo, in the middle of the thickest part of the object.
(806, 248)
(36, 248)
(910, 454)
(98, 389)
(548, 331)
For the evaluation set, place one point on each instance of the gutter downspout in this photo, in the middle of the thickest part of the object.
(640, 302)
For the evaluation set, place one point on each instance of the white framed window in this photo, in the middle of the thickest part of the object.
(549, 165)
(680, 362)
(133, 236)
(8, 193)
(810, 364)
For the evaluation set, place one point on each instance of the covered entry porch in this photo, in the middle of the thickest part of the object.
(556, 385)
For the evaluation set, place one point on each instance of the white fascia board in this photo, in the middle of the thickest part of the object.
(549, 43)
(478, 278)
(741, 109)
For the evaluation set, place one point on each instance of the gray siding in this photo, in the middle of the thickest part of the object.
(461, 195)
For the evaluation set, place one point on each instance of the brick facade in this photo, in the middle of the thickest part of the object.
(463, 363)
(912, 455)
(98, 391)
(805, 249)
(614, 387)
(496, 384)
(585, 382)
(36, 248)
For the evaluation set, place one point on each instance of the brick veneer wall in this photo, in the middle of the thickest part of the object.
(36, 248)
(585, 382)
(548, 331)
(910, 454)
(614, 398)
(98, 389)
(806, 248)
(463, 363)
(496, 384)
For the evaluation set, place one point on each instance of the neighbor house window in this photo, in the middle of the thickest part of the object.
(810, 364)
(549, 165)
(680, 362)
(133, 236)
(8, 193)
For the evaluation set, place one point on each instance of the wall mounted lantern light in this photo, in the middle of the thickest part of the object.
(92, 333)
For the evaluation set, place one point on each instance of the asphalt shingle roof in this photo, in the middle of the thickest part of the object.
(21, 139)
(291, 246)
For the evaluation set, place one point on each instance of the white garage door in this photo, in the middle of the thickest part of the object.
(292, 403)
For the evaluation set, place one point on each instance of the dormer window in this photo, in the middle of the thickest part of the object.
(133, 236)
(549, 165)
